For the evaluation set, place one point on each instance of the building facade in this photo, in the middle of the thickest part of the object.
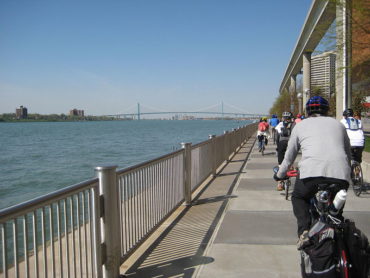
(323, 74)
(21, 113)
(76, 112)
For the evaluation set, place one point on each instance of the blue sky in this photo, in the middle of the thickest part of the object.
(105, 56)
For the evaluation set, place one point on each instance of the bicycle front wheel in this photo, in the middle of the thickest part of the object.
(287, 185)
(357, 178)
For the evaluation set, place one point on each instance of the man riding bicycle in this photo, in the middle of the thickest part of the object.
(284, 129)
(325, 158)
(355, 133)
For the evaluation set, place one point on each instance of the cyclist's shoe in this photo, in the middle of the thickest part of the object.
(280, 186)
(303, 240)
(259, 149)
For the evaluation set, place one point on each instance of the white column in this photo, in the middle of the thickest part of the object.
(306, 78)
(293, 91)
(343, 59)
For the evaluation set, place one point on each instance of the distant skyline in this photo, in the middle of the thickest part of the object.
(106, 56)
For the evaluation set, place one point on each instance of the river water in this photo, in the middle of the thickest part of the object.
(41, 157)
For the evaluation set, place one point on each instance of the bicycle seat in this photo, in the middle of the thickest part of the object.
(330, 186)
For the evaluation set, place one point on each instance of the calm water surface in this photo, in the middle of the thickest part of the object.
(37, 158)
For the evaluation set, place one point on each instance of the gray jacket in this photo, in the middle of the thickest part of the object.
(326, 150)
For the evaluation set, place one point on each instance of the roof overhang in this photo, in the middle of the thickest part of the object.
(319, 18)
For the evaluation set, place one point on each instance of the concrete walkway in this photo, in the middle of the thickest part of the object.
(238, 226)
(258, 233)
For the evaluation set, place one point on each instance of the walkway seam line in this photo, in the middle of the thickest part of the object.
(211, 240)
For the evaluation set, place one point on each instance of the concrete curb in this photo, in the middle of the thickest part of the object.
(365, 165)
(366, 171)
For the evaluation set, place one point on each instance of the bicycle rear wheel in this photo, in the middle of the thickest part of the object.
(343, 264)
(357, 178)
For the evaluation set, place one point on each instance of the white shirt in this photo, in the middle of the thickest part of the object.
(266, 133)
(279, 127)
(356, 137)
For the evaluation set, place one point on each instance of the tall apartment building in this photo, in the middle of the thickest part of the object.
(21, 112)
(323, 73)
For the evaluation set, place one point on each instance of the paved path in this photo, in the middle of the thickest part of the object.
(238, 226)
(258, 233)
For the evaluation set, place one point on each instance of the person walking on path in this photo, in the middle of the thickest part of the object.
(326, 157)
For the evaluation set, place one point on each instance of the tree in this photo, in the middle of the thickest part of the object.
(283, 103)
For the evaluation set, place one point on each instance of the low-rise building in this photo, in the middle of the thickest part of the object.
(21, 112)
(76, 112)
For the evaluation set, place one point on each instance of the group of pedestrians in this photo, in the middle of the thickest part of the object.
(327, 148)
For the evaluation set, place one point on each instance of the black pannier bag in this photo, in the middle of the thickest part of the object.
(319, 258)
(358, 250)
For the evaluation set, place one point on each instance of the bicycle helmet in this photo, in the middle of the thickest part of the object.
(348, 112)
(274, 116)
(287, 115)
(299, 116)
(317, 105)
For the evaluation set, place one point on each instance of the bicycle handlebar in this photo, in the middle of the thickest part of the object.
(292, 173)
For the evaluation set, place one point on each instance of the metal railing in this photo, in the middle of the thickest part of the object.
(89, 229)
(53, 236)
(147, 194)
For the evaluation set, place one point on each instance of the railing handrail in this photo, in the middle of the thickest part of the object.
(24, 207)
(146, 163)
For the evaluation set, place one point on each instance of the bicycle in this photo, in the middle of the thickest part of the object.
(286, 182)
(357, 178)
(324, 215)
(262, 143)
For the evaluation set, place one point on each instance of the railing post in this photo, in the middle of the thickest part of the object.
(226, 145)
(187, 172)
(110, 230)
(213, 151)
(234, 140)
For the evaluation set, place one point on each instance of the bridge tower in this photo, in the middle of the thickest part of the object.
(138, 111)
(222, 109)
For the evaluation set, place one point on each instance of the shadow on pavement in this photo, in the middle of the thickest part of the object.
(183, 266)
(213, 199)
(179, 250)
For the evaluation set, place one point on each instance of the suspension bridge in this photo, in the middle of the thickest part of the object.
(219, 111)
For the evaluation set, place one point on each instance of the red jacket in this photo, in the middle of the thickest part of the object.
(263, 126)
